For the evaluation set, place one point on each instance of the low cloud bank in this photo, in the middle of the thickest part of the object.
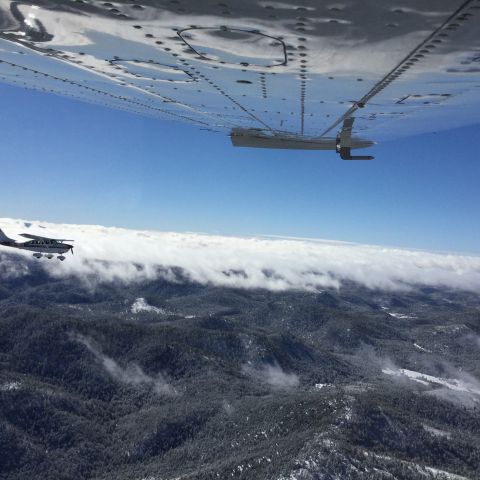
(272, 375)
(132, 374)
(116, 254)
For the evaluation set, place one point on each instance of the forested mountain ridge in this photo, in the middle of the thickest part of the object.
(172, 379)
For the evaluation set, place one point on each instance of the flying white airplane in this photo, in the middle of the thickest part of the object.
(40, 245)
(293, 74)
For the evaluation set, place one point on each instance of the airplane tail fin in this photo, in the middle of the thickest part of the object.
(4, 238)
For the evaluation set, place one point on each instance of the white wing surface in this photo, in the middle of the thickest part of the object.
(281, 74)
(37, 237)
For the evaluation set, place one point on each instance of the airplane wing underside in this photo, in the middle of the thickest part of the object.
(281, 74)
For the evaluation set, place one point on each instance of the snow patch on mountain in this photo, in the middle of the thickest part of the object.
(140, 305)
(455, 384)
(10, 386)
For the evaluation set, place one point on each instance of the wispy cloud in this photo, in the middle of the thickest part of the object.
(11, 268)
(272, 375)
(107, 254)
(228, 408)
(132, 374)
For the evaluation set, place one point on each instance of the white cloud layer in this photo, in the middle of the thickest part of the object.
(107, 254)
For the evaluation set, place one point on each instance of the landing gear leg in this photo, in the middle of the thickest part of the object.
(344, 142)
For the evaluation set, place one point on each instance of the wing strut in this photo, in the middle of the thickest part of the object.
(344, 142)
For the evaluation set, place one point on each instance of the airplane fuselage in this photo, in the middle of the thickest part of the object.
(40, 246)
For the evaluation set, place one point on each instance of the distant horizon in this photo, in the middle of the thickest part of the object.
(278, 264)
(265, 236)
(72, 162)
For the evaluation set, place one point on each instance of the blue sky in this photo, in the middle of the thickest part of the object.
(72, 162)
